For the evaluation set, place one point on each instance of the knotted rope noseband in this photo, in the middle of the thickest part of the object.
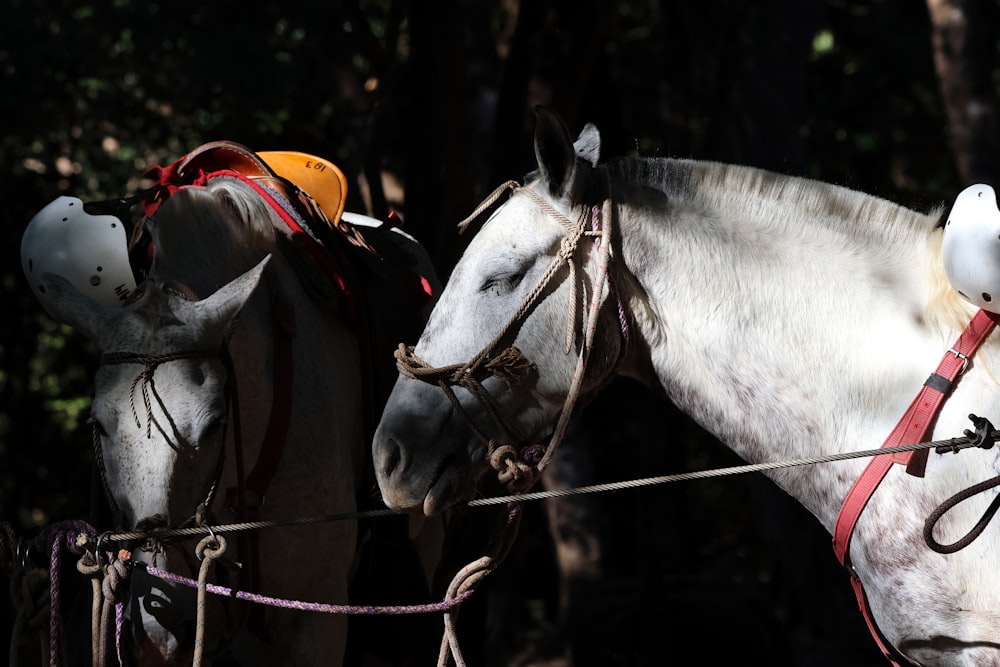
(146, 386)
(519, 467)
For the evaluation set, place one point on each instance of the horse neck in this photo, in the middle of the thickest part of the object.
(783, 343)
(324, 431)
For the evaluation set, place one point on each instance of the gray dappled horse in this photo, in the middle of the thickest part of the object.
(789, 318)
(236, 327)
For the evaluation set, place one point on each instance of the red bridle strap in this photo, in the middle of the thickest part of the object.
(914, 427)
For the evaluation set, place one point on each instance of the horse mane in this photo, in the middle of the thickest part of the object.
(867, 223)
(873, 220)
(250, 208)
(222, 229)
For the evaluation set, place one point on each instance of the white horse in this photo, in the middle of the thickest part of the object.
(189, 385)
(789, 318)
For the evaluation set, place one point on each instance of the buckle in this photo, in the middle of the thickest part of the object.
(964, 358)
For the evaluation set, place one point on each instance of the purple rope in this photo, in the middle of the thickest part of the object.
(56, 647)
(119, 624)
(368, 610)
(55, 539)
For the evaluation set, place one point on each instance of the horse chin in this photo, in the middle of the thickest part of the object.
(453, 486)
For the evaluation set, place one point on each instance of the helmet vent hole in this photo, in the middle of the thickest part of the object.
(100, 268)
(41, 288)
(986, 297)
(95, 280)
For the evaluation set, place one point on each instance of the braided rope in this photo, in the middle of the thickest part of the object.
(465, 581)
(150, 362)
(519, 467)
(64, 536)
(115, 574)
(489, 201)
(948, 504)
(597, 301)
(208, 549)
(300, 605)
(90, 568)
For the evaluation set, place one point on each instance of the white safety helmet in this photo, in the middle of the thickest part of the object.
(90, 251)
(970, 249)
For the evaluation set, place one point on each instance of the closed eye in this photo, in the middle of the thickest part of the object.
(97, 426)
(502, 283)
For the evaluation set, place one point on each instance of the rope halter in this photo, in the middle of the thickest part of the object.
(146, 386)
(519, 466)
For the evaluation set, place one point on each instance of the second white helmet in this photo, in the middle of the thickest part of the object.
(970, 249)
(90, 251)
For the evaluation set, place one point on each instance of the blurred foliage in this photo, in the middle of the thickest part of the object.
(427, 106)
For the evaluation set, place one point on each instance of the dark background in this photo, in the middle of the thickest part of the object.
(427, 106)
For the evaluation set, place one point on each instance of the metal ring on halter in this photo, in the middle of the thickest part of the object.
(97, 544)
(211, 533)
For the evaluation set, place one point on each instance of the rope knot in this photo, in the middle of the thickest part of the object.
(115, 574)
(533, 454)
(88, 566)
(567, 247)
(510, 366)
(502, 457)
(511, 469)
(210, 547)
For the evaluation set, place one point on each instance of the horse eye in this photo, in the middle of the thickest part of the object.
(215, 426)
(502, 284)
(93, 422)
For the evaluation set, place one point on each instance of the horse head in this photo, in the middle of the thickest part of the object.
(532, 269)
(159, 413)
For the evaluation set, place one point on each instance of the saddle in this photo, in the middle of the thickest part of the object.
(383, 297)
(314, 187)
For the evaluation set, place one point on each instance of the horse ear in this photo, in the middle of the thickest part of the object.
(221, 308)
(555, 152)
(67, 305)
(588, 144)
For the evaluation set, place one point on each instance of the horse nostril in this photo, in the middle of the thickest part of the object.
(392, 459)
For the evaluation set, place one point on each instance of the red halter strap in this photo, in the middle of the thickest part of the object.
(915, 426)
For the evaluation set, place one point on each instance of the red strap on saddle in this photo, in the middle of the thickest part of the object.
(915, 426)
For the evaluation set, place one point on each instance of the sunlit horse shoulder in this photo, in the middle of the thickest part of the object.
(790, 318)
(185, 396)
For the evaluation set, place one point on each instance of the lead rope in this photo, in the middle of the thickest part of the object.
(208, 549)
(112, 610)
(88, 566)
(468, 578)
(519, 471)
